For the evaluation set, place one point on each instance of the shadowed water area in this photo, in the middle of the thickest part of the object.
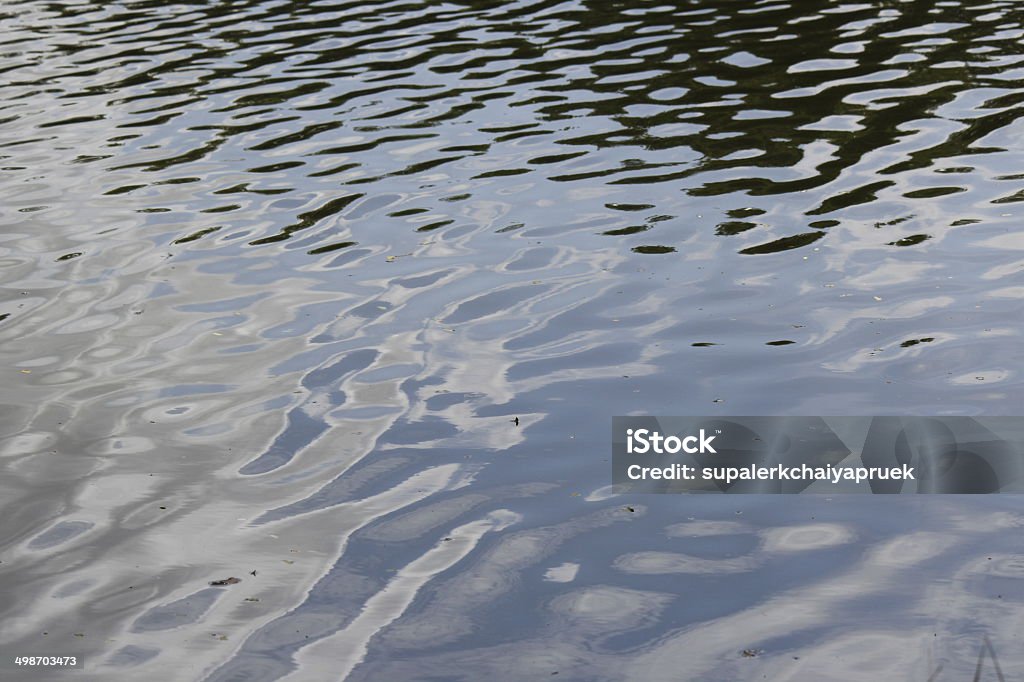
(278, 278)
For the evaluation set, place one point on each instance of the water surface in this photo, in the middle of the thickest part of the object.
(278, 277)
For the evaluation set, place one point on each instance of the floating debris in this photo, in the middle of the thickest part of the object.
(751, 653)
(226, 581)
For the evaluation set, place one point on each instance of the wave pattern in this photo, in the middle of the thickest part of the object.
(338, 297)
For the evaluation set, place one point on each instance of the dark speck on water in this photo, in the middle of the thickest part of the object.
(393, 224)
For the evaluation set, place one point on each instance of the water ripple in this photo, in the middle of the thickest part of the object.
(336, 297)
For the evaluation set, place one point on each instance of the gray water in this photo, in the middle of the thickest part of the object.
(278, 277)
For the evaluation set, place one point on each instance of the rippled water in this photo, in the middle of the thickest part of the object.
(277, 278)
